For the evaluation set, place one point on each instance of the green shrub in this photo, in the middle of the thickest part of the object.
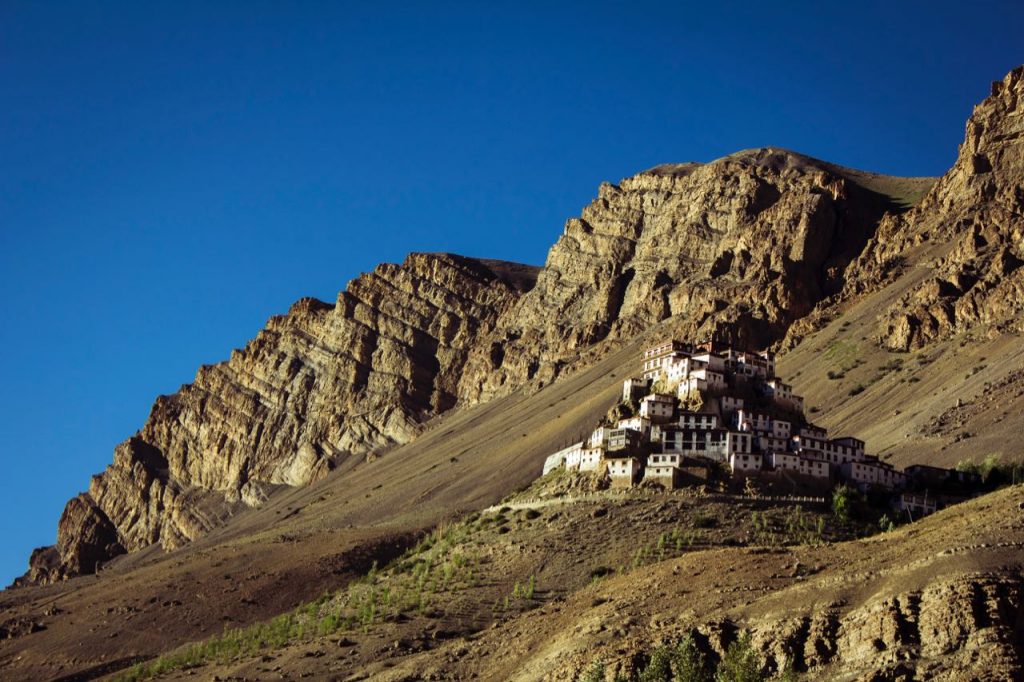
(595, 673)
(843, 503)
(659, 668)
(328, 624)
(688, 662)
(741, 662)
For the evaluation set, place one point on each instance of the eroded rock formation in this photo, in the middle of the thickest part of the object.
(956, 624)
(969, 227)
(317, 385)
(736, 249)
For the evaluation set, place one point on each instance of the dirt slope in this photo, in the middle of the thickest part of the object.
(305, 540)
(941, 599)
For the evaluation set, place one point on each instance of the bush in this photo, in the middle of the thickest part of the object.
(688, 662)
(843, 503)
(328, 624)
(595, 673)
(992, 472)
(659, 668)
(741, 662)
(886, 524)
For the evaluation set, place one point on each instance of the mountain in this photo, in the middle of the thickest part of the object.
(921, 352)
(435, 388)
(318, 388)
(739, 248)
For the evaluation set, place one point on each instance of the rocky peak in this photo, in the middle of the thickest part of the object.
(969, 230)
(737, 248)
(318, 385)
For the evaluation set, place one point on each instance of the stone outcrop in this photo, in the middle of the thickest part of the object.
(970, 622)
(969, 228)
(317, 385)
(736, 249)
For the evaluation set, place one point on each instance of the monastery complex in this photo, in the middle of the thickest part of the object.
(702, 408)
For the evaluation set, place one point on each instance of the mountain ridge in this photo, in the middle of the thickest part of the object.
(201, 455)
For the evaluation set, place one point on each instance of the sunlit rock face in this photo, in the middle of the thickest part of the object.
(974, 219)
(737, 249)
(317, 385)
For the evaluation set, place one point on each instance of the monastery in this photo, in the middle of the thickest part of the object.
(697, 407)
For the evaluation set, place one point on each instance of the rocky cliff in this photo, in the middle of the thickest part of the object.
(967, 231)
(318, 385)
(737, 249)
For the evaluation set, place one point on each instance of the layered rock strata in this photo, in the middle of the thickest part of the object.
(737, 249)
(970, 229)
(317, 385)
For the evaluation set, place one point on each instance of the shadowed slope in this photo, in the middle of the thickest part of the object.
(304, 540)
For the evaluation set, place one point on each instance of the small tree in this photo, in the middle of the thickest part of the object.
(688, 662)
(659, 668)
(886, 524)
(741, 662)
(842, 503)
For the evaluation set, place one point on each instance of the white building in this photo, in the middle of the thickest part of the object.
(781, 428)
(561, 458)
(665, 459)
(712, 361)
(782, 395)
(917, 504)
(658, 407)
(658, 358)
(599, 437)
(751, 365)
(813, 431)
(625, 470)
(802, 465)
(691, 441)
(745, 463)
(769, 443)
(835, 451)
(664, 474)
(747, 420)
(640, 424)
(678, 369)
(872, 473)
(853, 445)
(730, 404)
(635, 388)
(737, 442)
(591, 459)
(704, 421)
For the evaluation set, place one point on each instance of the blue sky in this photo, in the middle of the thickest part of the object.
(172, 174)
